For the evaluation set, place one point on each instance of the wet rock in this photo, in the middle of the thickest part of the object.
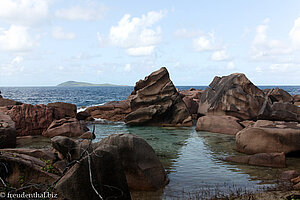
(66, 109)
(233, 95)
(83, 115)
(8, 132)
(69, 127)
(261, 159)
(113, 111)
(143, 169)
(219, 124)
(108, 177)
(269, 137)
(155, 101)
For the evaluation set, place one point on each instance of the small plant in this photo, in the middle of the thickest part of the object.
(21, 181)
(48, 166)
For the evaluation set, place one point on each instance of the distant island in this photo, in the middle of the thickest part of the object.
(83, 84)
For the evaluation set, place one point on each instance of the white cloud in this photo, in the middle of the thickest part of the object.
(140, 51)
(24, 12)
(207, 42)
(137, 35)
(17, 60)
(16, 38)
(12, 67)
(220, 56)
(230, 66)
(60, 34)
(264, 47)
(127, 68)
(258, 69)
(295, 33)
(90, 11)
(184, 33)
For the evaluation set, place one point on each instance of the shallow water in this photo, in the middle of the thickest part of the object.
(194, 162)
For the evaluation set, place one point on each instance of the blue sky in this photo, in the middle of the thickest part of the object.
(44, 43)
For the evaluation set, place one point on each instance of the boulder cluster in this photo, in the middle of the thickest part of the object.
(265, 123)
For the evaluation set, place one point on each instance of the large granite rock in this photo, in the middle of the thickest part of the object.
(103, 169)
(280, 95)
(296, 99)
(261, 159)
(155, 101)
(69, 127)
(219, 124)
(113, 111)
(142, 167)
(24, 170)
(32, 119)
(233, 95)
(66, 109)
(279, 111)
(8, 132)
(269, 137)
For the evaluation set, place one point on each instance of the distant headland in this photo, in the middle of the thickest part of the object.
(83, 84)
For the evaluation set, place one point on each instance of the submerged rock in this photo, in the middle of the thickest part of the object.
(268, 137)
(155, 101)
(142, 167)
(219, 124)
(69, 127)
(8, 132)
(261, 159)
(233, 95)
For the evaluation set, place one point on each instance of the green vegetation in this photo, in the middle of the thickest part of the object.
(82, 84)
(48, 167)
(21, 181)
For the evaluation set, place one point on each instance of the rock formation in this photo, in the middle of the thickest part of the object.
(113, 111)
(8, 132)
(269, 137)
(233, 95)
(219, 124)
(155, 101)
(69, 127)
(66, 109)
(261, 159)
(143, 169)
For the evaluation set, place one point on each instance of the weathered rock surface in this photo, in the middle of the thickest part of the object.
(8, 102)
(269, 137)
(288, 175)
(83, 115)
(108, 177)
(113, 111)
(233, 95)
(155, 101)
(280, 95)
(36, 153)
(69, 127)
(32, 119)
(143, 169)
(296, 100)
(8, 132)
(31, 170)
(261, 159)
(66, 109)
(279, 111)
(191, 98)
(219, 124)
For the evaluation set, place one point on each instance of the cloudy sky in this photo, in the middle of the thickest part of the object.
(46, 42)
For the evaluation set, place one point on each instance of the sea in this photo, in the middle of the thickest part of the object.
(193, 160)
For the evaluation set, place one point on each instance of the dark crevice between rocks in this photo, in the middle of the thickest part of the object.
(294, 154)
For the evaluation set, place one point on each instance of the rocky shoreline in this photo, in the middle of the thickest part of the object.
(266, 124)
